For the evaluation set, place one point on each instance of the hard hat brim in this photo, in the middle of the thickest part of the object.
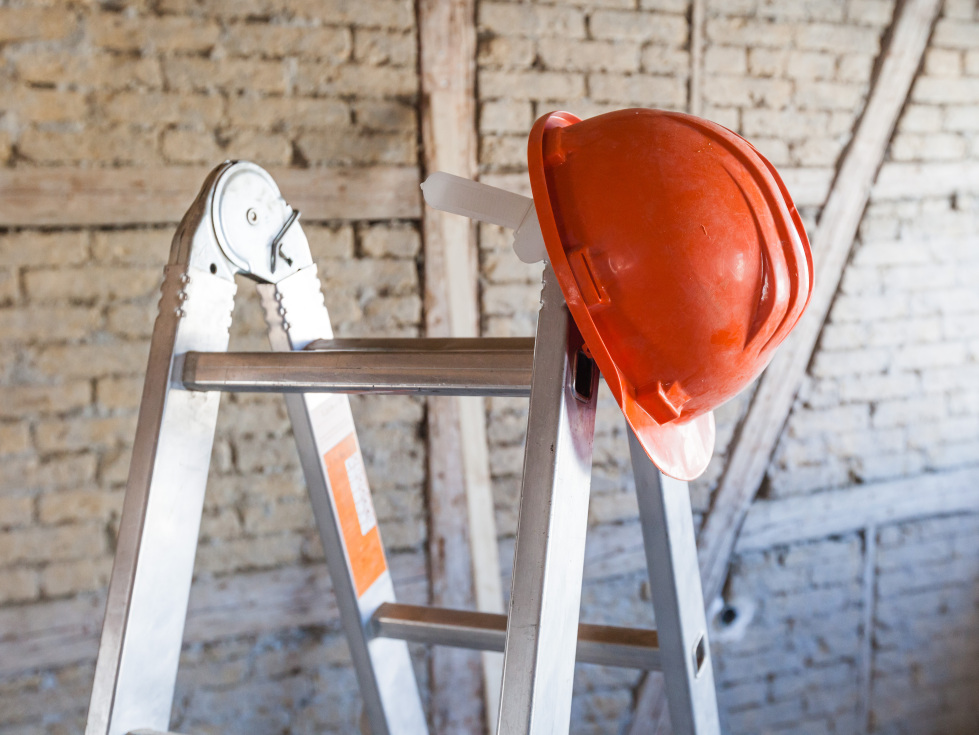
(680, 450)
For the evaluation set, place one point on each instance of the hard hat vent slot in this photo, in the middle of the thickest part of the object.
(593, 293)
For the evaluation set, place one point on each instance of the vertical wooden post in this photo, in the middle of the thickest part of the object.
(464, 562)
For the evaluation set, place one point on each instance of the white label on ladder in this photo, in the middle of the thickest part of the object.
(332, 421)
(357, 475)
(336, 440)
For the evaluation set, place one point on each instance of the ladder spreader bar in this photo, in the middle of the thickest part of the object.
(459, 367)
(635, 648)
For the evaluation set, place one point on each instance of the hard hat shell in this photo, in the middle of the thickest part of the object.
(682, 259)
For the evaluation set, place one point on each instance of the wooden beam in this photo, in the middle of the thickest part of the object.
(66, 196)
(836, 512)
(838, 223)
(464, 559)
(749, 454)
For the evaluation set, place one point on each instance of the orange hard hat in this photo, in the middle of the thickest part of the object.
(682, 259)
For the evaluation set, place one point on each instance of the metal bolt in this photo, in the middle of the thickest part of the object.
(252, 216)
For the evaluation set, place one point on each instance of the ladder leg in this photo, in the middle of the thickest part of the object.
(674, 579)
(542, 629)
(136, 670)
(337, 482)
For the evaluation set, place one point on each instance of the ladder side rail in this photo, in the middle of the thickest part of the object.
(336, 479)
(678, 602)
(142, 633)
(548, 565)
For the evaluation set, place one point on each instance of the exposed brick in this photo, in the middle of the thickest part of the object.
(829, 96)
(365, 149)
(870, 12)
(955, 34)
(531, 20)
(85, 433)
(943, 63)
(909, 411)
(110, 71)
(225, 75)
(855, 68)
(167, 33)
(35, 24)
(90, 360)
(71, 577)
(382, 47)
(387, 115)
(133, 247)
(661, 60)
(51, 544)
(110, 144)
(40, 248)
(506, 52)
(267, 149)
(726, 60)
(670, 30)
(358, 80)
(838, 38)
(571, 55)
(396, 241)
(91, 284)
(638, 89)
(526, 85)
(157, 108)
(46, 106)
(938, 90)
(262, 112)
(749, 32)
(19, 401)
(333, 45)
(78, 505)
(18, 585)
(744, 91)
(962, 119)
(49, 322)
(14, 438)
(505, 116)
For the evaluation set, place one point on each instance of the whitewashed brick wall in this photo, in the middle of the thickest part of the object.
(891, 391)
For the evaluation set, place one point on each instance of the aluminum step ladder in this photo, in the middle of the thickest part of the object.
(241, 224)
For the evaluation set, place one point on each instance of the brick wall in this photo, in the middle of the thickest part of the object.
(172, 84)
(891, 391)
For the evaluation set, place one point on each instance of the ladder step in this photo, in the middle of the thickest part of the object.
(632, 648)
(446, 367)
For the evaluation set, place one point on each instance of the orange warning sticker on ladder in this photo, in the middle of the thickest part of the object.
(355, 511)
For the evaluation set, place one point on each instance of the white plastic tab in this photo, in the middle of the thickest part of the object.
(485, 203)
(528, 240)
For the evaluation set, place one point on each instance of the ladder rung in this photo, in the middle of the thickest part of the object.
(634, 648)
(459, 367)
